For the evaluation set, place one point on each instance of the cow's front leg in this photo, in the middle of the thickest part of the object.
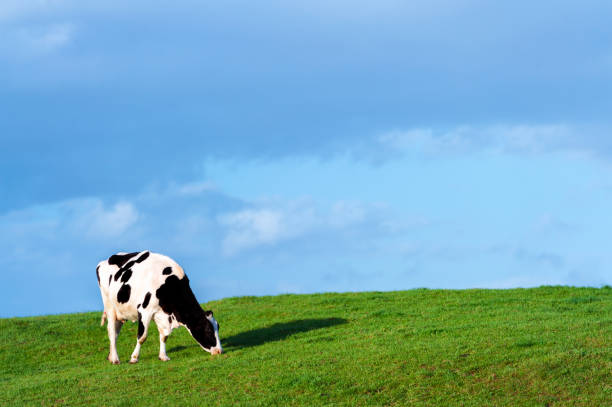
(162, 347)
(113, 327)
(143, 328)
(164, 327)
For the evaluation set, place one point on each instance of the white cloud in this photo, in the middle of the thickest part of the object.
(15, 9)
(86, 218)
(530, 139)
(47, 39)
(423, 139)
(270, 222)
(511, 139)
(250, 228)
(195, 188)
(32, 41)
(109, 222)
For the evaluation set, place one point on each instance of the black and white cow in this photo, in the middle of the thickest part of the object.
(142, 286)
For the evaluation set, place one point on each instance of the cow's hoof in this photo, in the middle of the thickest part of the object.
(133, 361)
(115, 362)
(164, 358)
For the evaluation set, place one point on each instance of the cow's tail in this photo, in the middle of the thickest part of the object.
(103, 319)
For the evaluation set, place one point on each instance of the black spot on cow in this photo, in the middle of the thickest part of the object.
(120, 259)
(109, 279)
(122, 270)
(177, 299)
(123, 295)
(146, 300)
(126, 267)
(134, 261)
(98, 274)
(140, 326)
(143, 257)
(169, 320)
(167, 270)
(164, 339)
(126, 276)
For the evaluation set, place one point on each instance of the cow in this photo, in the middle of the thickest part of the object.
(142, 286)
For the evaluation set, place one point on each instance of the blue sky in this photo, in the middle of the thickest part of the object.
(274, 147)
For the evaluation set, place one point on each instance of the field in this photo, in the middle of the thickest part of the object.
(547, 346)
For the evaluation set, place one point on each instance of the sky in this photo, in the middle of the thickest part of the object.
(299, 147)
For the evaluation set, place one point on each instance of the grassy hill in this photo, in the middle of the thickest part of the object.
(548, 346)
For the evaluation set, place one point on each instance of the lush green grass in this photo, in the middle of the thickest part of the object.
(549, 346)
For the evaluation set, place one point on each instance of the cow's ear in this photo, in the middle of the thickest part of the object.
(208, 314)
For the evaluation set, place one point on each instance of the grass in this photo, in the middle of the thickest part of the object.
(547, 346)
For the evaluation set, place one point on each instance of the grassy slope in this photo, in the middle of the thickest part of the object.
(544, 346)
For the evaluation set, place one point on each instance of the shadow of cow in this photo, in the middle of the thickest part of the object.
(273, 333)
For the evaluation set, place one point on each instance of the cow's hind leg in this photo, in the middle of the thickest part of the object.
(144, 319)
(113, 327)
(164, 328)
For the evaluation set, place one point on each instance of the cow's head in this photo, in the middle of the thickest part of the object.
(206, 332)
